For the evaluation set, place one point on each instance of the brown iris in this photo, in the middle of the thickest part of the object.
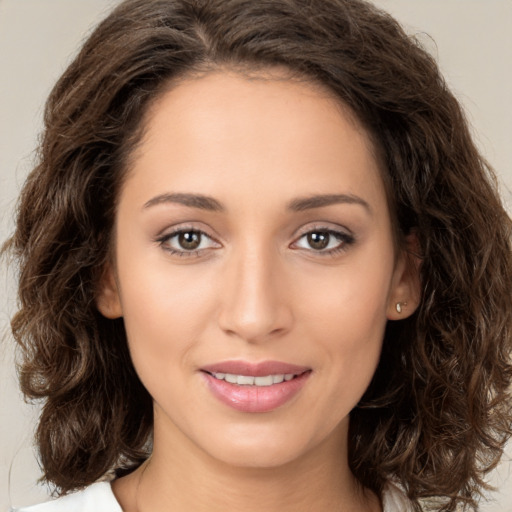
(189, 240)
(318, 240)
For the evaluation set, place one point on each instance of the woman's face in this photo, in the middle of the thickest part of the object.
(254, 267)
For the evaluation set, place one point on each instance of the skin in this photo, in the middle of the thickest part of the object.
(255, 290)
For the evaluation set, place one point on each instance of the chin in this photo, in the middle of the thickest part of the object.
(258, 458)
(262, 450)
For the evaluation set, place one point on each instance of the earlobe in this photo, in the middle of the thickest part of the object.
(107, 299)
(405, 294)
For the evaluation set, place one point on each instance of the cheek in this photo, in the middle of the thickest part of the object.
(348, 338)
(349, 332)
(345, 313)
(164, 318)
(164, 308)
(351, 298)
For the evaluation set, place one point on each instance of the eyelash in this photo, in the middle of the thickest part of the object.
(344, 239)
(162, 240)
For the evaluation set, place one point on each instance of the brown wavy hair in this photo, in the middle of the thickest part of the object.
(438, 411)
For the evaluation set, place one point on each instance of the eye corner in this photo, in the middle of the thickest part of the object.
(330, 241)
(178, 242)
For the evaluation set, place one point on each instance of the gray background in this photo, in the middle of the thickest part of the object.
(473, 44)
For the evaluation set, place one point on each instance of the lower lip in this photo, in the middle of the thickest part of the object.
(256, 398)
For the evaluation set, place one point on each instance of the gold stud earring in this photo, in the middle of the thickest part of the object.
(399, 306)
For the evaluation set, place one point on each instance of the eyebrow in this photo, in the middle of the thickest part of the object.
(208, 203)
(319, 201)
(192, 200)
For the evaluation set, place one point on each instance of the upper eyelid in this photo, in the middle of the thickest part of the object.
(169, 232)
(181, 228)
(167, 236)
(332, 228)
(342, 232)
(164, 241)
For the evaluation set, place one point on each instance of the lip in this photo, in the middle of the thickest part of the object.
(254, 369)
(255, 399)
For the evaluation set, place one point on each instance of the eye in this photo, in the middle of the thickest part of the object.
(324, 241)
(186, 242)
(189, 240)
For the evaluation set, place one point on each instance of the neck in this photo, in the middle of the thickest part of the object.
(180, 477)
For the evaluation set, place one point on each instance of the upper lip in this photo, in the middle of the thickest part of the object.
(255, 369)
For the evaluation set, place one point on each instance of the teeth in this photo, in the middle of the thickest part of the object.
(247, 380)
(264, 381)
(243, 379)
(233, 379)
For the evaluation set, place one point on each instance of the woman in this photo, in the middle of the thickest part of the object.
(262, 265)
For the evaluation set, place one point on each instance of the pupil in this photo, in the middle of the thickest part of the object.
(189, 240)
(318, 240)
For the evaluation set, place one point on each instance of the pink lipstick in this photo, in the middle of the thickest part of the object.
(249, 387)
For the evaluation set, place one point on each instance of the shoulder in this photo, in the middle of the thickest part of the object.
(395, 500)
(97, 497)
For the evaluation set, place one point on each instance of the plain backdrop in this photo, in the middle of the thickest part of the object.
(471, 39)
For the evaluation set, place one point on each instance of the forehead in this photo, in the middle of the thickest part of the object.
(266, 134)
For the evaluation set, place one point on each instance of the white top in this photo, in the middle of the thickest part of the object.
(99, 497)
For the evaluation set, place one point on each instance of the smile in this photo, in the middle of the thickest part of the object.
(249, 380)
(255, 388)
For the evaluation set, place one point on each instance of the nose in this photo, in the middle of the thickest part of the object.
(255, 303)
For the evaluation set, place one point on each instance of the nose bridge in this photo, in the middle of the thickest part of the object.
(254, 304)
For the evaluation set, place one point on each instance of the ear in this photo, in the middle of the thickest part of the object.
(107, 299)
(405, 294)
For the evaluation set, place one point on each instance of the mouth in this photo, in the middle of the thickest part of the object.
(250, 380)
(255, 388)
